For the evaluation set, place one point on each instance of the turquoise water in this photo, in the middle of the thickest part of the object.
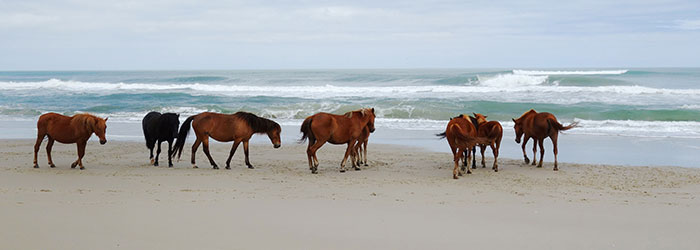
(629, 102)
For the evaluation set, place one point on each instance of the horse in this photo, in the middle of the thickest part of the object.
(238, 127)
(159, 127)
(336, 129)
(361, 147)
(539, 126)
(64, 129)
(494, 132)
(461, 135)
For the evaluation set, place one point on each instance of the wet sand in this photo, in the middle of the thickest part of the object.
(404, 199)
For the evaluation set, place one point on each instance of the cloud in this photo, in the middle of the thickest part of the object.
(688, 24)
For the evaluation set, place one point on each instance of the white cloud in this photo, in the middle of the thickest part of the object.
(688, 24)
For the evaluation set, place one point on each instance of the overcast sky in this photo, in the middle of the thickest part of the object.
(156, 34)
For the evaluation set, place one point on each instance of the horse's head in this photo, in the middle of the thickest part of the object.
(100, 129)
(518, 130)
(173, 121)
(369, 113)
(480, 118)
(274, 135)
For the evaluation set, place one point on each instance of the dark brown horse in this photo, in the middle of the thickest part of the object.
(64, 129)
(238, 127)
(361, 147)
(494, 132)
(539, 126)
(461, 135)
(336, 129)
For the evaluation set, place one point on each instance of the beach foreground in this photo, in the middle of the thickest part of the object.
(404, 199)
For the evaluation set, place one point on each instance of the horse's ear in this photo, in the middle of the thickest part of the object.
(178, 115)
(486, 116)
(513, 119)
(106, 119)
(474, 114)
(372, 110)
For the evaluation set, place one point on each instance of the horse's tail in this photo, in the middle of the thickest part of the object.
(442, 135)
(306, 130)
(555, 124)
(182, 136)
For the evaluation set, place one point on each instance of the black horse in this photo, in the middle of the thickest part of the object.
(159, 127)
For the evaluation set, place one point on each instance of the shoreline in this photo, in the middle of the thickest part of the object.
(573, 148)
(404, 199)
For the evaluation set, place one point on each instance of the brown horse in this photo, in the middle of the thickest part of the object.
(64, 129)
(238, 127)
(494, 132)
(462, 137)
(539, 126)
(336, 129)
(361, 147)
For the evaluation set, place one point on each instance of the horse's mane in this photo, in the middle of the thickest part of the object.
(526, 113)
(258, 124)
(85, 122)
(361, 111)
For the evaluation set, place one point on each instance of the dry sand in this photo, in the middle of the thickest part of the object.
(405, 199)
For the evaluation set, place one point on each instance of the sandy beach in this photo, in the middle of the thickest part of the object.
(404, 199)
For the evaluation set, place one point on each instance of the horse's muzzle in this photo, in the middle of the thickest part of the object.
(371, 130)
(517, 140)
(277, 145)
(103, 142)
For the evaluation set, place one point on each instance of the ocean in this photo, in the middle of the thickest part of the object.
(657, 105)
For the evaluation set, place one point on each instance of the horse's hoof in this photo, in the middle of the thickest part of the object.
(73, 165)
(366, 165)
(357, 169)
(228, 167)
(152, 161)
(342, 170)
(170, 165)
(50, 165)
(155, 164)
(556, 169)
(314, 170)
(483, 166)
(36, 165)
(469, 172)
(82, 168)
(251, 167)
(455, 177)
(495, 170)
(474, 167)
(459, 173)
(215, 167)
(194, 166)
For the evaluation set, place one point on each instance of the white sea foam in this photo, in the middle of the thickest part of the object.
(504, 88)
(575, 72)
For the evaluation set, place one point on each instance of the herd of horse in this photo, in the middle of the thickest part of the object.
(463, 134)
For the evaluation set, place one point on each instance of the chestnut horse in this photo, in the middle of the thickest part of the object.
(494, 132)
(64, 129)
(461, 135)
(336, 129)
(238, 127)
(539, 126)
(361, 147)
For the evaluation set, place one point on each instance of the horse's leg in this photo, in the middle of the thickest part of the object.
(541, 142)
(556, 150)
(358, 153)
(245, 150)
(151, 156)
(534, 151)
(494, 149)
(473, 152)
(49, 145)
(205, 147)
(348, 151)
(355, 156)
(365, 153)
(469, 159)
(157, 153)
(81, 153)
(309, 155)
(39, 138)
(483, 161)
(170, 153)
(230, 155)
(312, 152)
(194, 152)
(527, 160)
(457, 157)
